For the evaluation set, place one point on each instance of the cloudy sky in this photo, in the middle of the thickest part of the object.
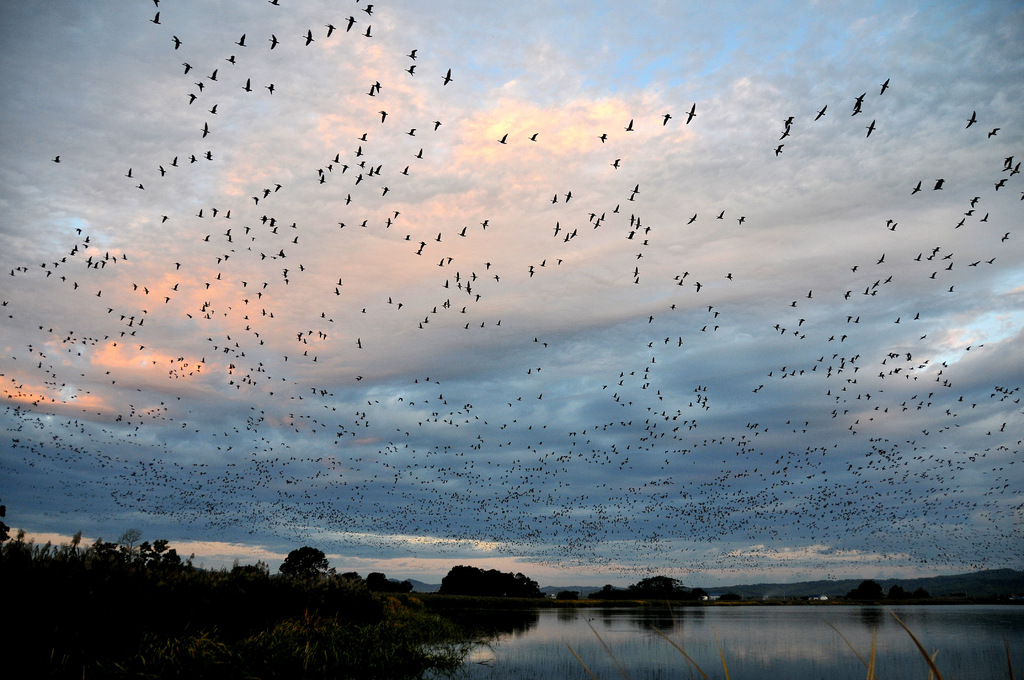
(582, 290)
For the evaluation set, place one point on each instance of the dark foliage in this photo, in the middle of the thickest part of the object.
(651, 588)
(897, 592)
(305, 562)
(4, 529)
(379, 583)
(463, 580)
(114, 610)
(867, 590)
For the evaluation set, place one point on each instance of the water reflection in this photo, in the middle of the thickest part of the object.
(567, 614)
(871, 617)
(495, 623)
(758, 642)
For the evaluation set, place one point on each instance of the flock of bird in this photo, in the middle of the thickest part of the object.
(330, 434)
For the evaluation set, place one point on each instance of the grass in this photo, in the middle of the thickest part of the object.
(869, 664)
(407, 642)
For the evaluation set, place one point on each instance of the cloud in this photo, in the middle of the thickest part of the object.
(395, 344)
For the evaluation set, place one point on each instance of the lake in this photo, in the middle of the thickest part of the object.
(776, 642)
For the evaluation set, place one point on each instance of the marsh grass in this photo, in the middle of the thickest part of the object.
(405, 643)
(869, 664)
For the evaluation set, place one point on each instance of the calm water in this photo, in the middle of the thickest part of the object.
(759, 642)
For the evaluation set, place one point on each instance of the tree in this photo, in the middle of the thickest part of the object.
(867, 590)
(257, 571)
(662, 587)
(305, 561)
(127, 542)
(464, 580)
(609, 592)
(896, 592)
(379, 583)
(4, 529)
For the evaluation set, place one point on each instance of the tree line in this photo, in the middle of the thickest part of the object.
(872, 590)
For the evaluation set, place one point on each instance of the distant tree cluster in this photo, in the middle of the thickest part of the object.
(651, 588)
(464, 580)
(311, 563)
(867, 590)
(379, 583)
(872, 590)
(896, 592)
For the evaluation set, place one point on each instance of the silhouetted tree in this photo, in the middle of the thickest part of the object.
(896, 592)
(305, 561)
(464, 580)
(609, 592)
(379, 583)
(259, 570)
(661, 587)
(867, 590)
(127, 542)
(5, 531)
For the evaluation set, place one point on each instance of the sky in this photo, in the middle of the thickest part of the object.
(588, 291)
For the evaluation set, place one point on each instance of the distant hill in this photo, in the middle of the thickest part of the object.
(582, 590)
(421, 587)
(987, 583)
